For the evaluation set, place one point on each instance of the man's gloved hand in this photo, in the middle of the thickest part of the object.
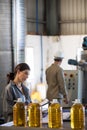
(66, 100)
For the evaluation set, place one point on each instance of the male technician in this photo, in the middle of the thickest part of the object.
(55, 80)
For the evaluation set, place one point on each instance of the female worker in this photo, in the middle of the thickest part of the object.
(16, 89)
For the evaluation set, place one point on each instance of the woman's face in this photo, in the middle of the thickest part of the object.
(23, 75)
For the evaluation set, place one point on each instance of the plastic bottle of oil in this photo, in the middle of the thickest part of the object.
(55, 115)
(34, 114)
(77, 115)
(19, 114)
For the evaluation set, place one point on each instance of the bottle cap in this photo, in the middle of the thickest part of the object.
(35, 101)
(19, 100)
(55, 101)
(77, 101)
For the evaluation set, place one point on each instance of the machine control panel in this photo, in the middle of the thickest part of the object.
(71, 82)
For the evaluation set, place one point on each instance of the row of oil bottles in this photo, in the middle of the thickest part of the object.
(31, 115)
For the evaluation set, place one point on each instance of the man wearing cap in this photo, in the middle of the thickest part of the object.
(55, 80)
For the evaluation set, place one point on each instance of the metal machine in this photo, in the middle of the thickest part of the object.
(82, 72)
(71, 81)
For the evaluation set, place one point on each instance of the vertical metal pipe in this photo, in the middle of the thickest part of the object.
(20, 14)
(44, 29)
(12, 33)
(37, 16)
(51, 16)
(14, 30)
(58, 15)
(41, 77)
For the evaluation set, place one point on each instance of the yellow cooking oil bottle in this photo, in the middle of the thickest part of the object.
(19, 114)
(77, 115)
(55, 119)
(34, 114)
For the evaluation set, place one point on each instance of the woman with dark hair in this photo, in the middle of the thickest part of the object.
(16, 89)
(10, 76)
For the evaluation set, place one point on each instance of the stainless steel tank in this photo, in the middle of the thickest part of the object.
(82, 77)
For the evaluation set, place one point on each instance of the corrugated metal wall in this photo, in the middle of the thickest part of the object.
(73, 16)
(35, 16)
(5, 45)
